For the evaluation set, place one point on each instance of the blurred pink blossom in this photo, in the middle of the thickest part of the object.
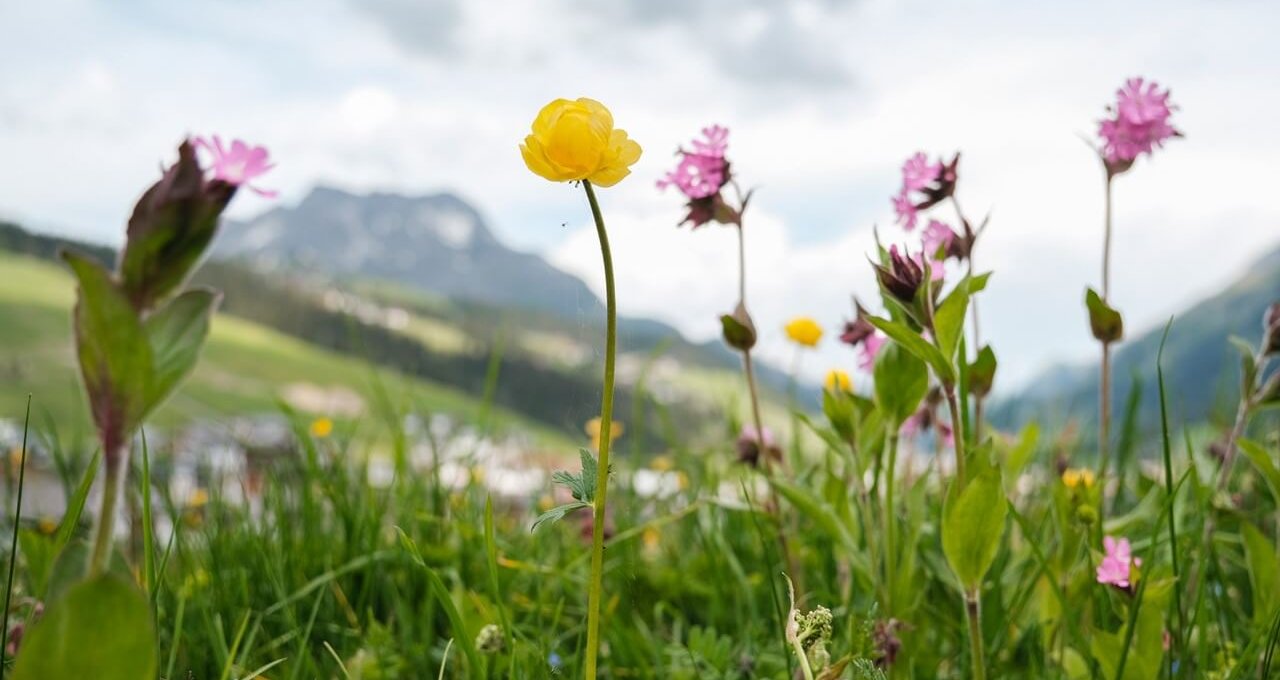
(238, 164)
(937, 236)
(1115, 567)
(701, 173)
(918, 172)
(1139, 122)
(868, 350)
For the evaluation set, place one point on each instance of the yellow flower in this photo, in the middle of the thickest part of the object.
(321, 428)
(1075, 477)
(660, 463)
(47, 526)
(804, 331)
(837, 378)
(574, 140)
(651, 538)
(592, 428)
(198, 498)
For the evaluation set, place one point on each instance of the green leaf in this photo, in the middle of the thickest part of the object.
(1264, 575)
(177, 333)
(911, 340)
(1262, 460)
(978, 282)
(948, 320)
(982, 372)
(837, 405)
(101, 629)
(973, 518)
(557, 513)
(738, 329)
(901, 381)
(1105, 322)
(112, 348)
(461, 635)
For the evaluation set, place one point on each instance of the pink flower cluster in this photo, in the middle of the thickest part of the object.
(1117, 562)
(1139, 122)
(917, 174)
(238, 164)
(702, 172)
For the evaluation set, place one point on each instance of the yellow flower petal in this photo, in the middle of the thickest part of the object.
(575, 140)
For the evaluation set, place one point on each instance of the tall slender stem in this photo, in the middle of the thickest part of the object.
(957, 428)
(13, 547)
(973, 610)
(595, 591)
(890, 557)
(115, 462)
(1104, 379)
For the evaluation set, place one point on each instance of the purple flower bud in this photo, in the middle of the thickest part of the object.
(902, 277)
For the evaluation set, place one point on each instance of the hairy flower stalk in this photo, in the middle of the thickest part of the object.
(576, 141)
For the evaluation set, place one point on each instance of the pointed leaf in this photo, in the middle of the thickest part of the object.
(973, 520)
(901, 381)
(911, 340)
(1105, 322)
(177, 332)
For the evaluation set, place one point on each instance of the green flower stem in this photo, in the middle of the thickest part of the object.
(957, 428)
(804, 658)
(890, 557)
(113, 477)
(1104, 378)
(596, 588)
(973, 610)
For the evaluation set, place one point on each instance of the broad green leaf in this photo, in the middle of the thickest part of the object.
(917, 345)
(115, 357)
(809, 505)
(1105, 322)
(948, 320)
(1261, 459)
(901, 381)
(1020, 453)
(837, 405)
(100, 629)
(1264, 574)
(177, 333)
(978, 282)
(982, 372)
(973, 520)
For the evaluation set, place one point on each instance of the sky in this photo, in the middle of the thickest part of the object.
(824, 100)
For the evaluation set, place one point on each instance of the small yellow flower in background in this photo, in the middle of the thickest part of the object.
(546, 502)
(47, 526)
(592, 428)
(1076, 477)
(321, 428)
(660, 463)
(651, 538)
(576, 140)
(804, 331)
(198, 498)
(838, 379)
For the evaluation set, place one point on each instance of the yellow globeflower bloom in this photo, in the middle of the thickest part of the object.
(804, 331)
(592, 428)
(1074, 478)
(575, 140)
(838, 379)
(321, 428)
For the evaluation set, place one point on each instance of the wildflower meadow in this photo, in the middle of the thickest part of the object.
(885, 522)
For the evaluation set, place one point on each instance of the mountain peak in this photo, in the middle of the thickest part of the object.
(437, 242)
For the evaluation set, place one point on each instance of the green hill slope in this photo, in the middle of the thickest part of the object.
(246, 368)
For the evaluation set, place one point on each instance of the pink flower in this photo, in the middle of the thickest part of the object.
(1139, 122)
(696, 176)
(238, 165)
(918, 173)
(752, 446)
(717, 141)
(924, 419)
(868, 350)
(1115, 566)
(701, 173)
(937, 236)
(905, 210)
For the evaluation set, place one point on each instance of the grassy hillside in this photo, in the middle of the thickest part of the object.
(247, 368)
